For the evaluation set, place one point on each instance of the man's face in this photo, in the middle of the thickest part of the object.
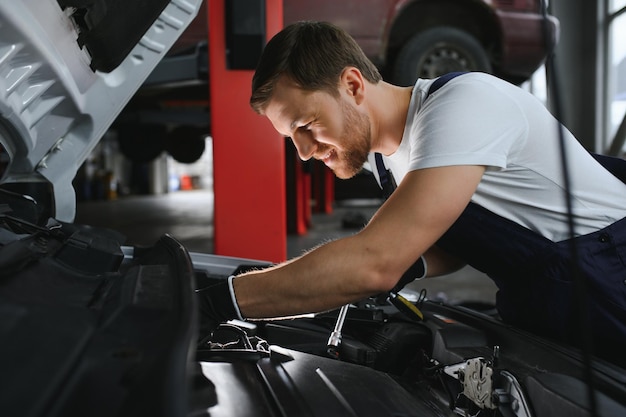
(321, 126)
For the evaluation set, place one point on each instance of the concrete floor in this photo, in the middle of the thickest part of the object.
(188, 216)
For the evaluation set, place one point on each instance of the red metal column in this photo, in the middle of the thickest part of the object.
(304, 195)
(248, 154)
(323, 188)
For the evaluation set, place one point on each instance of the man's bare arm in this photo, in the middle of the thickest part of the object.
(421, 209)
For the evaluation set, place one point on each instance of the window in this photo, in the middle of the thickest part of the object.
(616, 67)
(615, 5)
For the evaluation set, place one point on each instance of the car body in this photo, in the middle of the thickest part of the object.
(92, 326)
(404, 38)
(427, 38)
(510, 38)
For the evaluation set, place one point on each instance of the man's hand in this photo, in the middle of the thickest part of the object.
(417, 271)
(217, 304)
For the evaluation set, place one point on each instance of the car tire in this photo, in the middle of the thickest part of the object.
(141, 143)
(186, 144)
(438, 51)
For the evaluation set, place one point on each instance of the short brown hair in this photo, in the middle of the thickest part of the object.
(313, 55)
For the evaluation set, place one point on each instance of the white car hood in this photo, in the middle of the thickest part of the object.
(53, 107)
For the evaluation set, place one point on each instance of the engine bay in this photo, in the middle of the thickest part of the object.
(455, 360)
(98, 328)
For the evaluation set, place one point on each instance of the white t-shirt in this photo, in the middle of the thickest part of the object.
(478, 119)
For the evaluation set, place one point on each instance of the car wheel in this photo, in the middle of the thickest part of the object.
(437, 51)
(186, 144)
(141, 143)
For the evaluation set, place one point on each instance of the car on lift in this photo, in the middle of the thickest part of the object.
(406, 39)
(95, 326)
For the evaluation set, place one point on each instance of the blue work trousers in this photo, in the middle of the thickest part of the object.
(536, 277)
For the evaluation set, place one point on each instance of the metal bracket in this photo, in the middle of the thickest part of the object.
(511, 397)
(477, 376)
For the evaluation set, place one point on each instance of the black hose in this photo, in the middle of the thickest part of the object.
(580, 283)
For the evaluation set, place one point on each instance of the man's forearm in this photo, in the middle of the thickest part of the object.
(327, 277)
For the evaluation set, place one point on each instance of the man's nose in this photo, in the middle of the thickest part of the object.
(305, 145)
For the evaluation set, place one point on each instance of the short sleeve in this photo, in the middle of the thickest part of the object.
(469, 121)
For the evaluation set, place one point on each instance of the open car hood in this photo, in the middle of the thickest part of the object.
(68, 68)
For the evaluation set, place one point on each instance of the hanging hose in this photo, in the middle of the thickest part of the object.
(580, 284)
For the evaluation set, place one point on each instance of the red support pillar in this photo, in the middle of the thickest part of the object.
(248, 155)
(323, 188)
(329, 190)
(305, 196)
(298, 192)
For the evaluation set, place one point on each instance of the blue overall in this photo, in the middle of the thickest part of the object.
(535, 276)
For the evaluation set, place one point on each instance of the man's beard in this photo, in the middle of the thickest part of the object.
(357, 138)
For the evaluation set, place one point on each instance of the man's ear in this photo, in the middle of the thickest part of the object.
(352, 83)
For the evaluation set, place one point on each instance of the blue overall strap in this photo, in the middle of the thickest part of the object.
(387, 182)
(441, 81)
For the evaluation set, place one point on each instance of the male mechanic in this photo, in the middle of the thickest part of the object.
(479, 182)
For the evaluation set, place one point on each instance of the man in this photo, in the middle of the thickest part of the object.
(479, 182)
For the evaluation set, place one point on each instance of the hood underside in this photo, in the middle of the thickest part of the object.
(67, 68)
